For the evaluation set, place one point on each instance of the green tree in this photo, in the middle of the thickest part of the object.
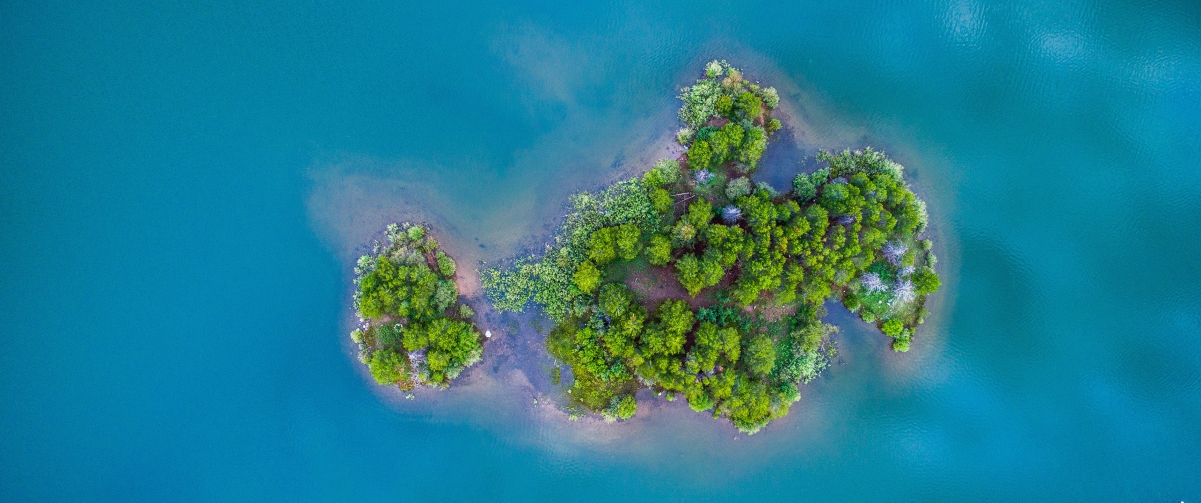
(661, 200)
(586, 277)
(602, 246)
(453, 346)
(925, 281)
(690, 275)
(892, 327)
(725, 105)
(760, 355)
(621, 408)
(386, 366)
(699, 155)
(658, 251)
(753, 145)
(749, 105)
(446, 265)
(627, 240)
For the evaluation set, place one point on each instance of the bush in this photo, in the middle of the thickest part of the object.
(621, 408)
(661, 200)
(627, 240)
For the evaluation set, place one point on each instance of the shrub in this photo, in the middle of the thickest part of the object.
(714, 69)
(627, 240)
(619, 408)
(760, 355)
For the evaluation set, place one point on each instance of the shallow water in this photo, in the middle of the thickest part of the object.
(184, 189)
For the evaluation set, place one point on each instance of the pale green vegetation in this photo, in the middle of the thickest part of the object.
(413, 330)
(728, 118)
(757, 265)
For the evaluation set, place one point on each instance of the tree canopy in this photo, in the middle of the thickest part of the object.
(413, 330)
(761, 265)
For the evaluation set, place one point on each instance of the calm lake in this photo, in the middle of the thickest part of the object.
(184, 189)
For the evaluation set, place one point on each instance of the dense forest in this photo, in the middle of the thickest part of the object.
(413, 330)
(700, 284)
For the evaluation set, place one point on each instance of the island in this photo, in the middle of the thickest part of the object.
(412, 330)
(700, 284)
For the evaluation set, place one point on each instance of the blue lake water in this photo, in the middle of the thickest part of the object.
(183, 188)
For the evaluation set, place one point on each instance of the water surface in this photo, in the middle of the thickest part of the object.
(184, 187)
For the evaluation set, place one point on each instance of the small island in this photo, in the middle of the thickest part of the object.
(412, 329)
(697, 283)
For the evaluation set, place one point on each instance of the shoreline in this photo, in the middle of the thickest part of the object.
(525, 370)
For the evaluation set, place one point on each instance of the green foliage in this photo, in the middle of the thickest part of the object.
(621, 408)
(661, 200)
(658, 251)
(847, 231)
(725, 106)
(387, 366)
(926, 281)
(627, 238)
(771, 98)
(602, 248)
(749, 106)
(452, 346)
(760, 355)
(446, 265)
(738, 187)
(892, 328)
(713, 346)
(753, 145)
(665, 172)
(409, 306)
(699, 155)
(587, 277)
(773, 125)
(696, 273)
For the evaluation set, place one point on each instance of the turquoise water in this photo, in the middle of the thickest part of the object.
(183, 188)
